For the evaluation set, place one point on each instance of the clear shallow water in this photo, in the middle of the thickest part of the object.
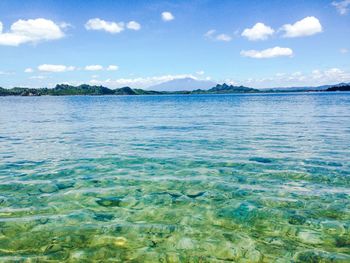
(243, 178)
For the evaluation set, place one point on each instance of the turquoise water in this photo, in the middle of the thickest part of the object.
(218, 178)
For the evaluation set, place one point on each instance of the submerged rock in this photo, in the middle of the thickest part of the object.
(52, 248)
(309, 237)
(296, 220)
(49, 188)
(104, 217)
(343, 241)
(43, 220)
(109, 241)
(127, 201)
(314, 256)
(194, 194)
(172, 257)
(185, 243)
(65, 185)
(333, 228)
(260, 160)
(109, 201)
(244, 213)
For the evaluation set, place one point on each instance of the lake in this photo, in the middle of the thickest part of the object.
(202, 178)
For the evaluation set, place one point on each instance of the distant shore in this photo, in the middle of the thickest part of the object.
(68, 90)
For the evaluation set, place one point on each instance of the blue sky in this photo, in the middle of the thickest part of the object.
(141, 43)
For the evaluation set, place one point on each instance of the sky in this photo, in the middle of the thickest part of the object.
(261, 44)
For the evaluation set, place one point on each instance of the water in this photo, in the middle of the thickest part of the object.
(219, 178)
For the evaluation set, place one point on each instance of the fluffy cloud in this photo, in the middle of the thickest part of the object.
(342, 6)
(133, 25)
(167, 16)
(93, 68)
(258, 32)
(211, 34)
(99, 24)
(306, 27)
(28, 70)
(55, 68)
(344, 50)
(112, 68)
(30, 31)
(268, 53)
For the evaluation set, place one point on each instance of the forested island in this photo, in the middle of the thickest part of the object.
(85, 89)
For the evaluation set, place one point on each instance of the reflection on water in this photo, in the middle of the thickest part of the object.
(243, 178)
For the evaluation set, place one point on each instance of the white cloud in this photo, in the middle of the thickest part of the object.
(133, 25)
(93, 68)
(342, 6)
(344, 50)
(167, 16)
(99, 24)
(306, 27)
(336, 74)
(55, 68)
(200, 72)
(65, 25)
(112, 68)
(28, 70)
(38, 77)
(258, 32)
(211, 34)
(141, 82)
(223, 37)
(268, 53)
(30, 31)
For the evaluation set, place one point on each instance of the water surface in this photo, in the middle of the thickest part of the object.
(207, 178)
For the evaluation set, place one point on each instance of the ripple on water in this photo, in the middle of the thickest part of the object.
(160, 179)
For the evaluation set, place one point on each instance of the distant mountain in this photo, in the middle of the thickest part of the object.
(185, 84)
(308, 88)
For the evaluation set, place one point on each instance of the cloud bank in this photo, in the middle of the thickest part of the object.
(268, 53)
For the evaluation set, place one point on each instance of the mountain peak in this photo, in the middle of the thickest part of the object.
(183, 84)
